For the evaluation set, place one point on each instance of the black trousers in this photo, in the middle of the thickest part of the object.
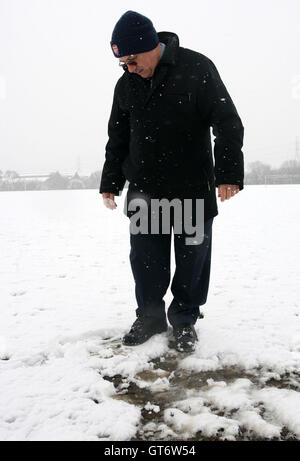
(150, 257)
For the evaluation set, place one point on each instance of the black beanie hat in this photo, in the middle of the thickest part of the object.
(133, 33)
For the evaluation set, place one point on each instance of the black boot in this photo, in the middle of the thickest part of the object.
(142, 329)
(185, 338)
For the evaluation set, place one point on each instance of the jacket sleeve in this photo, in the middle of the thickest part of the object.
(227, 128)
(117, 147)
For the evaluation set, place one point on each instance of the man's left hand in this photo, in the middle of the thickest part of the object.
(226, 191)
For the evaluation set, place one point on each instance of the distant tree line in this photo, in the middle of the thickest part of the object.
(262, 173)
(256, 173)
(11, 180)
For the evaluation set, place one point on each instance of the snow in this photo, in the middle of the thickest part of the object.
(67, 297)
(204, 422)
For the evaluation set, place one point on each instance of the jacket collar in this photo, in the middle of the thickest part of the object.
(171, 41)
(170, 56)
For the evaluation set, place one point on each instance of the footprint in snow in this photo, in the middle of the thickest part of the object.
(18, 293)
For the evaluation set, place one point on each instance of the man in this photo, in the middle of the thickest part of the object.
(159, 140)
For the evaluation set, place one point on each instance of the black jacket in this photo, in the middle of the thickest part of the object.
(159, 130)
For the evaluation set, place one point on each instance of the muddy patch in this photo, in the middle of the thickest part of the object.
(165, 385)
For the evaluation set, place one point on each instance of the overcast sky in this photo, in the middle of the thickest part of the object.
(57, 74)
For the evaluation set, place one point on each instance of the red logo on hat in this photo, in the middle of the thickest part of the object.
(115, 49)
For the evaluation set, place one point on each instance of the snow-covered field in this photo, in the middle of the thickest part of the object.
(67, 297)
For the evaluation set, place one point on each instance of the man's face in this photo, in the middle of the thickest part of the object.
(142, 64)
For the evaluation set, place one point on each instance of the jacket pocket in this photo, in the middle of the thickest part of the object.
(180, 103)
(179, 98)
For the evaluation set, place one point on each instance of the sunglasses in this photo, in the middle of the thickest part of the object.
(129, 62)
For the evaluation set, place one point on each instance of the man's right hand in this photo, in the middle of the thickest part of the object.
(109, 200)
